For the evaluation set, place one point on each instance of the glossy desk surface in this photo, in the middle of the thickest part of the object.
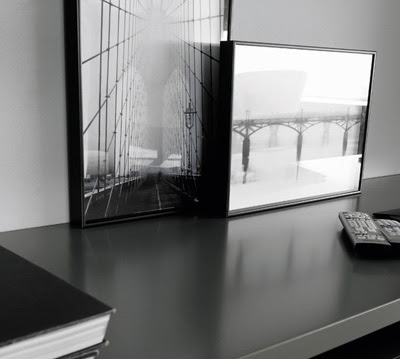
(276, 284)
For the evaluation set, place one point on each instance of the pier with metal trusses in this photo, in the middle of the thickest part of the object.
(248, 127)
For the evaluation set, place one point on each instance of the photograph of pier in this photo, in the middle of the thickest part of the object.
(298, 124)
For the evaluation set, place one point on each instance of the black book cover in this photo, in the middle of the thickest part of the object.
(88, 355)
(90, 352)
(390, 214)
(34, 301)
(81, 355)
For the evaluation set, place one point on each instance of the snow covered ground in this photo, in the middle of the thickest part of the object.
(271, 181)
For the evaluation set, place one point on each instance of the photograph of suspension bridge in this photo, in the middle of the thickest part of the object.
(149, 82)
(298, 124)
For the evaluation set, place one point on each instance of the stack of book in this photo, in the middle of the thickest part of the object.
(44, 317)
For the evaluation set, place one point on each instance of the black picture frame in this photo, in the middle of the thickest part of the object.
(266, 88)
(152, 156)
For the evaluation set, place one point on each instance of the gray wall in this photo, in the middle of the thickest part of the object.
(33, 147)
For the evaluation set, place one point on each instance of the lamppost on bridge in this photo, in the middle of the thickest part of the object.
(246, 144)
(346, 133)
(189, 122)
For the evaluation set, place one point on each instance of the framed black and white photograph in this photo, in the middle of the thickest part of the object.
(296, 121)
(142, 91)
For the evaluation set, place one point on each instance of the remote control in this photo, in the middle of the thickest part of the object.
(390, 229)
(362, 230)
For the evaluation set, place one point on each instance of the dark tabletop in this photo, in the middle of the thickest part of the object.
(190, 287)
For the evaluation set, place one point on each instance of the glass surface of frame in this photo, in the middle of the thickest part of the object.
(298, 124)
(148, 79)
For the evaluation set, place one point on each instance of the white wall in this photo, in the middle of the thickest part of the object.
(352, 24)
(33, 144)
(33, 151)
